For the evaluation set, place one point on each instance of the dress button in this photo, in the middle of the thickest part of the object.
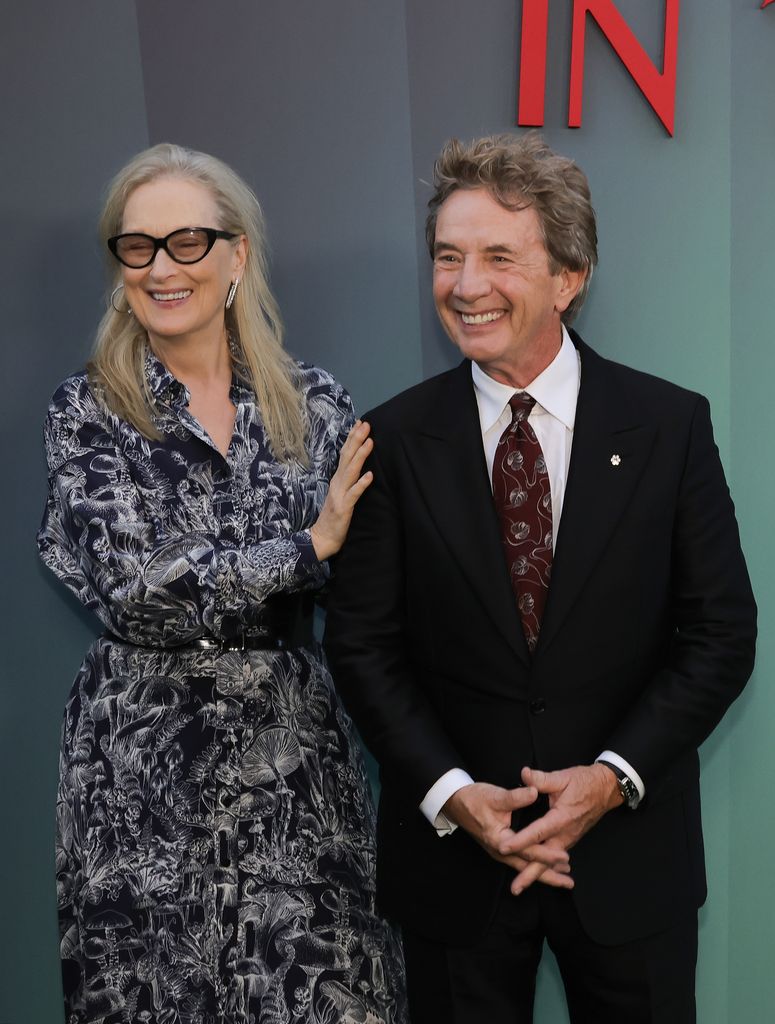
(538, 706)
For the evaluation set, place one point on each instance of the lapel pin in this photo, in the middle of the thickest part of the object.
(616, 460)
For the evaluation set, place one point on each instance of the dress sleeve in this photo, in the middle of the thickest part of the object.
(146, 584)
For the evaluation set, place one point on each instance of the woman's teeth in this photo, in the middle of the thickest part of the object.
(169, 296)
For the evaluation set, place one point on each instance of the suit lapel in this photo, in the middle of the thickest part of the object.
(447, 459)
(611, 446)
(448, 462)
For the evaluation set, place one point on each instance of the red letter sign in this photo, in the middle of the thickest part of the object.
(658, 88)
(532, 62)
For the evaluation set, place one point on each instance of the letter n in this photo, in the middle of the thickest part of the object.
(657, 87)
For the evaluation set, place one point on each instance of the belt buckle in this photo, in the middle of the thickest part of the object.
(225, 645)
(207, 643)
(234, 643)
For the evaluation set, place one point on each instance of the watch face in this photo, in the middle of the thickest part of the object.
(629, 791)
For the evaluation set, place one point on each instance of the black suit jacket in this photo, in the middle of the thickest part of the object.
(647, 637)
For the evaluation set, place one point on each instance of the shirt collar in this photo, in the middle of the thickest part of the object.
(555, 389)
(161, 383)
(168, 389)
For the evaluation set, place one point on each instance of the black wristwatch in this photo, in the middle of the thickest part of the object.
(627, 787)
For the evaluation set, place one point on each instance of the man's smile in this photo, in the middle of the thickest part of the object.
(482, 318)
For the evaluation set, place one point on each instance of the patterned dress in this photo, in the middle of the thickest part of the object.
(215, 854)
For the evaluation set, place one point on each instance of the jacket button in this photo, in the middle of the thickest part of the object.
(538, 706)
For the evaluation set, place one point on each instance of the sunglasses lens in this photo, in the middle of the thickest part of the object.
(134, 250)
(188, 246)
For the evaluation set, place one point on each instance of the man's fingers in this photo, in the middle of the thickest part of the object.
(515, 799)
(549, 856)
(536, 833)
(544, 782)
(526, 877)
(535, 873)
(552, 856)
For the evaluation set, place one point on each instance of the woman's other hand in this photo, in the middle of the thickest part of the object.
(346, 486)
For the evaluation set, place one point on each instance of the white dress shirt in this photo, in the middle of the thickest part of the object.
(553, 416)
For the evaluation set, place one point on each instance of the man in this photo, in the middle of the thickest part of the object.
(541, 612)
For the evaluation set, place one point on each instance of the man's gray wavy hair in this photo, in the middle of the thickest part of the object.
(520, 171)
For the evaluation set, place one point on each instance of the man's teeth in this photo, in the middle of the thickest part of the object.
(169, 296)
(481, 318)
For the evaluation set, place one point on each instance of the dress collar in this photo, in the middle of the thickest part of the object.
(167, 389)
(161, 383)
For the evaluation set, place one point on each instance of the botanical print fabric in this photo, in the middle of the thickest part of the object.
(215, 855)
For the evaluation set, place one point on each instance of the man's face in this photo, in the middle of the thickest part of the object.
(493, 291)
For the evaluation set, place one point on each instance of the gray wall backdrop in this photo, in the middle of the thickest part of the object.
(333, 110)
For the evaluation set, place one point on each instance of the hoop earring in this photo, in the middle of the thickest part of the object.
(232, 293)
(113, 294)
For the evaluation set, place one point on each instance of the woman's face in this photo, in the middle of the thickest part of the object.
(178, 302)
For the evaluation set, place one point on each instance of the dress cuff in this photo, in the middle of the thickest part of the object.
(437, 796)
(308, 563)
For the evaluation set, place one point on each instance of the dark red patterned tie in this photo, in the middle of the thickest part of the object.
(523, 500)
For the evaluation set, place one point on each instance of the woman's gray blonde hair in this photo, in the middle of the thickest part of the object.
(253, 321)
(522, 171)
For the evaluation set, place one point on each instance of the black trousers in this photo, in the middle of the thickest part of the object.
(649, 981)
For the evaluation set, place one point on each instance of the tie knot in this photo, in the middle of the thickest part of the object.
(521, 406)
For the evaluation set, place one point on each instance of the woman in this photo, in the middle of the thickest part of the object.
(215, 830)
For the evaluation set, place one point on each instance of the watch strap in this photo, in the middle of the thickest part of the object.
(627, 787)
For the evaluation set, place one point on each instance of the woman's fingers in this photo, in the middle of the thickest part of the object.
(358, 433)
(345, 488)
(356, 459)
(361, 484)
(355, 450)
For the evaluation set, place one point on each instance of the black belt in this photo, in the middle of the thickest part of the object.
(286, 621)
(239, 643)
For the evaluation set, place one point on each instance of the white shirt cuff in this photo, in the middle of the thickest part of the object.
(609, 755)
(437, 796)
